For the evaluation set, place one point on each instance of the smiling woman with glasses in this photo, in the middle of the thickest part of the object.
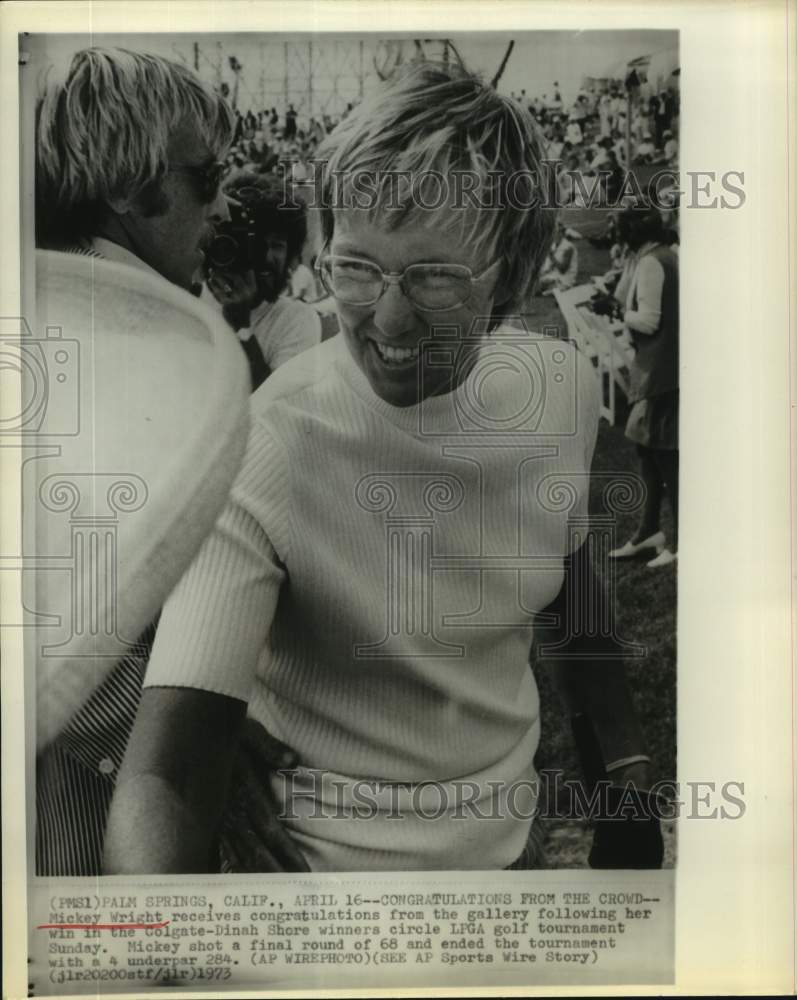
(413, 496)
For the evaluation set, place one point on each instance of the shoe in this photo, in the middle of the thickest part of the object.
(632, 548)
(664, 558)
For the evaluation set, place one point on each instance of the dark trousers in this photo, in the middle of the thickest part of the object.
(659, 468)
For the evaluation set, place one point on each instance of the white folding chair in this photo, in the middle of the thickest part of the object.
(602, 340)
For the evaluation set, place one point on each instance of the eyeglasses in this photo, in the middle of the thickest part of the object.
(208, 178)
(430, 287)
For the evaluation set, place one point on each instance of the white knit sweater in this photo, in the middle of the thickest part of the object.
(369, 591)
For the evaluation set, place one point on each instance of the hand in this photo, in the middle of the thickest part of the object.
(252, 837)
(233, 289)
(236, 293)
(628, 829)
(602, 303)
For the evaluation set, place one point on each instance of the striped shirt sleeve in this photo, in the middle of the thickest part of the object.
(76, 774)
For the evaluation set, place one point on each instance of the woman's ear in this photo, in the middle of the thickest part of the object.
(501, 292)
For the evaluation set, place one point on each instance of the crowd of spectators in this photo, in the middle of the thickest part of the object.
(587, 136)
(588, 139)
(264, 139)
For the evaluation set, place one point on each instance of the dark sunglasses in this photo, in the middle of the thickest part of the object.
(208, 178)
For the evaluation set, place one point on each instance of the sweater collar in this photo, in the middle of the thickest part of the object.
(434, 415)
(115, 252)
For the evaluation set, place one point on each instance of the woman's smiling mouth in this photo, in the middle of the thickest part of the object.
(396, 357)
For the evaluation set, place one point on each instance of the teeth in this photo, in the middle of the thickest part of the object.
(398, 355)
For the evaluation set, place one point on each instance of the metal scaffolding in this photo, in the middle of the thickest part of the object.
(316, 74)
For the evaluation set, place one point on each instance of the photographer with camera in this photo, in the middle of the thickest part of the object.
(248, 267)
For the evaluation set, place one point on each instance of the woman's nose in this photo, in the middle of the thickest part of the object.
(393, 313)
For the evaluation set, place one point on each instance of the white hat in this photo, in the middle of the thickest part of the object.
(138, 397)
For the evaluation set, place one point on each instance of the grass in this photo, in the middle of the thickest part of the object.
(645, 608)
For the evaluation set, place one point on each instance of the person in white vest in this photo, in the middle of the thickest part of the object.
(371, 592)
(128, 173)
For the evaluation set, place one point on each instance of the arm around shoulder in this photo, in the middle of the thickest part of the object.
(173, 783)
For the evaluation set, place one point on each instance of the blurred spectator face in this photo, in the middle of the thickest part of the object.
(384, 338)
(173, 240)
(271, 266)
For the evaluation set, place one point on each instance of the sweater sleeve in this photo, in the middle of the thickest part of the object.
(215, 625)
(298, 329)
(649, 285)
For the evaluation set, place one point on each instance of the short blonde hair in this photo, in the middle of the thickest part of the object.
(436, 121)
(103, 131)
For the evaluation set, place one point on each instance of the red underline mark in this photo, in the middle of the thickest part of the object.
(101, 927)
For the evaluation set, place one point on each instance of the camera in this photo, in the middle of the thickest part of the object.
(605, 304)
(533, 368)
(233, 247)
(48, 370)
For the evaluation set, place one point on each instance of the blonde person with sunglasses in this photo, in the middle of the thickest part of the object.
(127, 170)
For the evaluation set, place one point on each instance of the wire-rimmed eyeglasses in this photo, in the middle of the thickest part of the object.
(430, 287)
